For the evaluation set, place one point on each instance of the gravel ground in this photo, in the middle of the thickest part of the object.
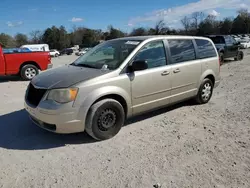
(182, 146)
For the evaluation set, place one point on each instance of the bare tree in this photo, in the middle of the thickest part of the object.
(186, 23)
(160, 28)
(36, 36)
(197, 18)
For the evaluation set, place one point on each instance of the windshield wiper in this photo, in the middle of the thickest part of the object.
(84, 65)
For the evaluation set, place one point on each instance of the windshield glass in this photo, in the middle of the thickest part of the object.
(107, 55)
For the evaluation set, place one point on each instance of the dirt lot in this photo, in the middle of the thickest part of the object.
(183, 146)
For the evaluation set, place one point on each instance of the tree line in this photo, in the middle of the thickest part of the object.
(196, 24)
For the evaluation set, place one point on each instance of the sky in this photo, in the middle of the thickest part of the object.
(24, 16)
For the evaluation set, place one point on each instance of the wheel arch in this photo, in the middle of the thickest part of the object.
(97, 95)
(208, 74)
(29, 63)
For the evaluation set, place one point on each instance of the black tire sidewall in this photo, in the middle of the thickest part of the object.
(24, 68)
(95, 112)
(200, 99)
(240, 56)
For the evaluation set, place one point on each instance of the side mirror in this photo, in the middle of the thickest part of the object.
(139, 65)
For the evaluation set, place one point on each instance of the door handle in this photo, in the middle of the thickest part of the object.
(177, 70)
(165, 73)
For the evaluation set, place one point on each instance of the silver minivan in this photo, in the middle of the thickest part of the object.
(122, 78)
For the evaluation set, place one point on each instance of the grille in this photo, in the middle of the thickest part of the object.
(35, 95)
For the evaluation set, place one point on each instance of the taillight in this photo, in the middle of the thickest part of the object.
(49, 58)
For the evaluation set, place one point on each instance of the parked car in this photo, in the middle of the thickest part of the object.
(227, 47)
(245, 43)
(82, 51)
(143, 74)
(67, 51)
(54, 53)
(25, 64)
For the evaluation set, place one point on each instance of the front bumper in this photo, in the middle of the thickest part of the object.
(58, 121)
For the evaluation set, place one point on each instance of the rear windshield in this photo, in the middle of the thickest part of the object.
(217, 39)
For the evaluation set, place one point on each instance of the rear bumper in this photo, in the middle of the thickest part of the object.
(50, 66)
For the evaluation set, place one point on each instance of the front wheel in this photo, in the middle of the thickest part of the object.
(239, 56)
(56, 55)
(29, 71)
(105, 119)
(205, 92)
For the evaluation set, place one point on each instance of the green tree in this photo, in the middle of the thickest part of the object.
(226, 26)
(241, 23)
(141, 31)
(209, 26)
(21, 39)
(114, 33)
(64, 40)
(7, 41)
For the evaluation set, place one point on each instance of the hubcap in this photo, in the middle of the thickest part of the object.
(206, 91)
(30, 73)
(107, 120)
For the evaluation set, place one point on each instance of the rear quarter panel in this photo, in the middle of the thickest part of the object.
(2, 62)
(210, 66)
(14, 61)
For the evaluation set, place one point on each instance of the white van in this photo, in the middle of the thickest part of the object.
(37, 47)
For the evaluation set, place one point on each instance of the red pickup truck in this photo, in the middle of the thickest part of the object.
(24, 64)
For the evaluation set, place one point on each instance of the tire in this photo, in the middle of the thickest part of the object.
(239, 56)
(56, 55)
(100, 128)
(204, 94)
(222, 59)
(28, 72)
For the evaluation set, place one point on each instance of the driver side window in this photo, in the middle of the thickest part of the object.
(153, 53)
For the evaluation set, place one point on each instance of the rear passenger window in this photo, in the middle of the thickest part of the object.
(205, 49)
(181, 50)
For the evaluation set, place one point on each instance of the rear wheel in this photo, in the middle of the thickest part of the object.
(205, 92)
(105, 119)
(29, 71)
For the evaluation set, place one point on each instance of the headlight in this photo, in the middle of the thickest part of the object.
(63, 95)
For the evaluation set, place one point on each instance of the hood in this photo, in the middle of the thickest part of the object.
(65, 76)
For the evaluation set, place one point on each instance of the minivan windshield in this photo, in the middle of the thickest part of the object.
(108, 55)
